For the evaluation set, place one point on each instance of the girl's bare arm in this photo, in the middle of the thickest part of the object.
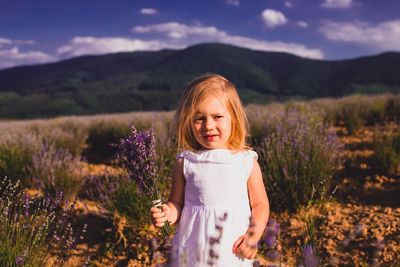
(172, 210)
(246, 244)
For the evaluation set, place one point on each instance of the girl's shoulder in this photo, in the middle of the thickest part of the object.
(217, 155)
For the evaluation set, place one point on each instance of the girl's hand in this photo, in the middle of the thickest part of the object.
(159, 217)
(245, 248)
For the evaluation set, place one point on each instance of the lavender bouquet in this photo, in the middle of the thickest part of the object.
(137, 153)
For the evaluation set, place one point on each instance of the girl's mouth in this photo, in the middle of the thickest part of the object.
(210, 137)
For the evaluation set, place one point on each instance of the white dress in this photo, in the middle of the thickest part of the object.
(216, 211)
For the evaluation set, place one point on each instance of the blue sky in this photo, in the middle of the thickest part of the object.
(39, 31)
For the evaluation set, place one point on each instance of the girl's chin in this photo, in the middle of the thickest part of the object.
(213, 146)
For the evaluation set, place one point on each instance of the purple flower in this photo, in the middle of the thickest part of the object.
(20, 259)
(310, 259)
(137, 153)
(270, 241)
(308, 251)
(273, 255)
(284, 171)
(359, 229)
(256, 263)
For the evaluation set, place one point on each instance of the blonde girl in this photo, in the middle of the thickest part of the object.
(217, 197)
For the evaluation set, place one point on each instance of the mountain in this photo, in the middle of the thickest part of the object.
(155, 80)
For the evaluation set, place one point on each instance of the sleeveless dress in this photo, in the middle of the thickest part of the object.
(216, 210)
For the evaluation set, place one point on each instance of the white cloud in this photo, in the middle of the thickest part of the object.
(380, 37)
(4, 41)
(288, 4)
(302, 24)
(95, 46)
(233, 2)
(292, 48)
(180, 34)
(337, 3)
(149, 11)
(13, 57)
(273, 18)
(177, 30)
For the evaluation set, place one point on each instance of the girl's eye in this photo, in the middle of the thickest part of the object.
(198, 119)
(218, 117)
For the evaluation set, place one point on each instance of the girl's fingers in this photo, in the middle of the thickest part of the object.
(245, 251)
(241, 250)
(159, 215)
(159, 224)
(237, 244)
(248, 254)
(155, 209)
(253, 255)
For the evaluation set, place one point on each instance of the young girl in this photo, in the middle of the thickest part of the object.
(217, 196)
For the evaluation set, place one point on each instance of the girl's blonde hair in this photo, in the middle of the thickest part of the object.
(199, 89)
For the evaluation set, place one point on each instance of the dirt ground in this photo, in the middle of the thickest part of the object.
(360, 226)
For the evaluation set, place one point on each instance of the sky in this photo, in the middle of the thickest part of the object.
(42, 31)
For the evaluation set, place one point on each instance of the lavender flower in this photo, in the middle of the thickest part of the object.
(137, 153)
(20, 259)
(272, 231)
(379, 246)
(270, 241)
(273, 255)
(215, 241)
(310, 259)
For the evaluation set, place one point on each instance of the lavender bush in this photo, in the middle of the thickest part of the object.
(101, 134)
(33, 156)
(356, 111)
(55, 170)
(386, 147)
(104, 130)
(117, 193)
(100, 187)
(33, 228)
(137, 153)
(17, 146)
(64, 133)
(297, 152)
(258, 115)
(392, 109)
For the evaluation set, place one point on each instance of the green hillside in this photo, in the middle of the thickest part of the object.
(155, 80)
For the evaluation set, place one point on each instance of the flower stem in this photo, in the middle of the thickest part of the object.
(166, 229)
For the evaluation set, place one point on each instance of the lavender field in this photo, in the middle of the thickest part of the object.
(330, 166)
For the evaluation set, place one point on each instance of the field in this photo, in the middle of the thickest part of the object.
(331, 169)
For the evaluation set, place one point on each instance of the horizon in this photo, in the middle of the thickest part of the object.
(150, 51)
(329, 30)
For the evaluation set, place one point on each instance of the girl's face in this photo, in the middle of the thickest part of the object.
(212, 124)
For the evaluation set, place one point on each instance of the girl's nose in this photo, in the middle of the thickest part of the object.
(209, 124)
